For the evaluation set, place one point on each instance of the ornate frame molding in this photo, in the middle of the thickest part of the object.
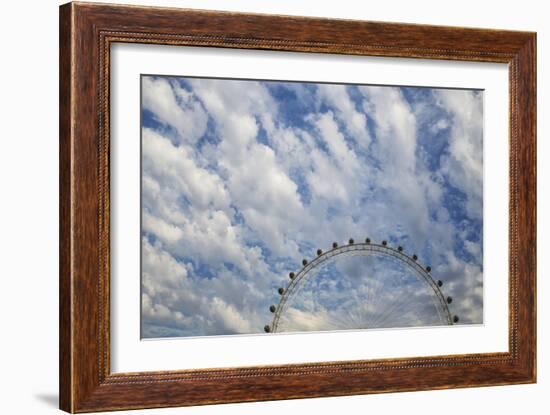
(86, 33)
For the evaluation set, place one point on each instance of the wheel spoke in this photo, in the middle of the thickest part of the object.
(389, 290)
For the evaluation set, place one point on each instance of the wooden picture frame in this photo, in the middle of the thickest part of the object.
(86, 33)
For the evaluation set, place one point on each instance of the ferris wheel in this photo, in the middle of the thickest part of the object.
(360, 286)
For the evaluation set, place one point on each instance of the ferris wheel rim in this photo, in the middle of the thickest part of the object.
(357, 249)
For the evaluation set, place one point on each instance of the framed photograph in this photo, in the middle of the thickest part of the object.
(258, 207)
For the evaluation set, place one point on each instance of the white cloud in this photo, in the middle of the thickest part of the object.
(463, 163)
(174, 106)
(161, 266)
(354, 121)
(176, 169)
(403, 180)
(167, 232)
(326, 180)
(441, 124)
(172, 303)
(395, 128)
(465, 285)
(230, 317)
(345, 158)
(473, 248)
(236, 110)
(333, 175)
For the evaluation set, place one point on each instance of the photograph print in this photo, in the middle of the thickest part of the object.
(281, 206)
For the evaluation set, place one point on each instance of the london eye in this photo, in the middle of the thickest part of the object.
(377, 286)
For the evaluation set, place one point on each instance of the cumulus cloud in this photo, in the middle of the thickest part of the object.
(175, 107)
(242, 179)
(353, 121)
(462, 164)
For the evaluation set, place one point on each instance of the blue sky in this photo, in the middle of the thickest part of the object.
(243, 179)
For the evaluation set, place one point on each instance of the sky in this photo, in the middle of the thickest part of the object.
(242, 179)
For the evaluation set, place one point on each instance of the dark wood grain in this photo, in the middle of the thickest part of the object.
(86, 33)
(65, 247)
